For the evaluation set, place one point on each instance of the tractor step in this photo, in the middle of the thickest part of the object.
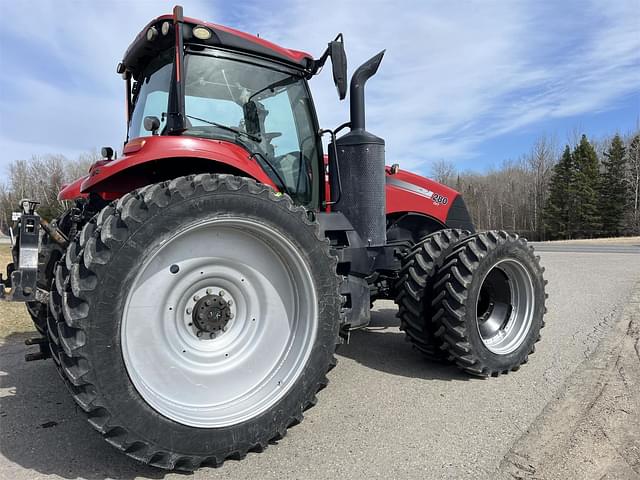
(32, 357)
(44, 352)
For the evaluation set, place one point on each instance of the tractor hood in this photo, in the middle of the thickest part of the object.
(408, 192)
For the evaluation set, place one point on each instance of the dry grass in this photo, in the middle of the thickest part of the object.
(13, 315)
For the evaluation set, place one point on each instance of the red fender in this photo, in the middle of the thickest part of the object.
(102, 177)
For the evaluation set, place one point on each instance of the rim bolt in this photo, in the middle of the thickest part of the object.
(188, 311)
(207, 303)
(209, 291)
(196, 298)
(221, 293)
(200, 316)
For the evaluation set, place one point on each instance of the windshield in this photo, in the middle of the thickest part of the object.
(265, 110)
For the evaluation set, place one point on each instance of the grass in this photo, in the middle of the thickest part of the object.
(13, 315)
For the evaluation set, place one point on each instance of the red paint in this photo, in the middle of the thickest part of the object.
(72, 191)
(295, 55)
(178, 54)
(158, 148)
(153, 148)
(400, 200)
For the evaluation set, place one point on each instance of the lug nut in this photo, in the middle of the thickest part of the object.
(209, 291)
(230, 302)
(188, 311)
(207, 303)
(230, 316)
(221, 293)
(212, 335)
(199, 334)
(196, 298)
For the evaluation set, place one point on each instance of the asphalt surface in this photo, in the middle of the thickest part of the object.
(586, 248)
(387, 413)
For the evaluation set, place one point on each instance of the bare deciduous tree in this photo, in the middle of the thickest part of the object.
(40, 178)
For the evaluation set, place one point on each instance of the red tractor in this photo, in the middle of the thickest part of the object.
(193, 296)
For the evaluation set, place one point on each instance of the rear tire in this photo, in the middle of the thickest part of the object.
(415, 295)
(489, 298)
(102, 354)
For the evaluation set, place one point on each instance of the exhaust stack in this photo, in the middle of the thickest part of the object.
(361, 166)
(365, 71)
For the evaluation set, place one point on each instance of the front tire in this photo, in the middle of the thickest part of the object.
(200, 319)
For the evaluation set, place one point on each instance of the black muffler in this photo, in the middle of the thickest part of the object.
(361, 166)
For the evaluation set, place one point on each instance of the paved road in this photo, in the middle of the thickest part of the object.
(585, 248)
(386, 414)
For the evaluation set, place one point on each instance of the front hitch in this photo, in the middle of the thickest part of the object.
(22, 274)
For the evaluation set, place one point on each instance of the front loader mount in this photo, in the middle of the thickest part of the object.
(22, 274)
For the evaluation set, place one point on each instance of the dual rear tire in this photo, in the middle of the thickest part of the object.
(477, 300)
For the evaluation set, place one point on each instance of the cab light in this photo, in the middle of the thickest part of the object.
(165, 28)
(201, 33)
(134, 145)
(152, 33)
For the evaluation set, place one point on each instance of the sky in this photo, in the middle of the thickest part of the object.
(470, 82)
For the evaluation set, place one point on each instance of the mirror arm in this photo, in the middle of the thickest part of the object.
(319, 63)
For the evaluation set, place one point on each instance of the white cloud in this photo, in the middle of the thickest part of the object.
(454, 75)
(87, 39)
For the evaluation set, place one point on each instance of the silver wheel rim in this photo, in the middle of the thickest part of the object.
(505, 306)
(235, 373)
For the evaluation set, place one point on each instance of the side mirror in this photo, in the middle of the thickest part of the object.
(152, 124)
(339, 66)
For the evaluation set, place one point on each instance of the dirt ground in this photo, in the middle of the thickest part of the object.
(13, 316)
(592, 429)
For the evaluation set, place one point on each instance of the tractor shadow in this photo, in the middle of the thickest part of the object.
(43, 431)
(383, 347)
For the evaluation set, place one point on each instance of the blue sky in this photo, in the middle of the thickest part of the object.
(473, 82)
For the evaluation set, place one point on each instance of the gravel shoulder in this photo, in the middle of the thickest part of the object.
(592, 429)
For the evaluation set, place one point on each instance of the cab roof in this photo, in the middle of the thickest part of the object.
(142, 50)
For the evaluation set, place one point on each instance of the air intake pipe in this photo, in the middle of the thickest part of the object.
(361, 166)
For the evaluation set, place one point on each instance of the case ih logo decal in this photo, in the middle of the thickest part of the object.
(410, 187)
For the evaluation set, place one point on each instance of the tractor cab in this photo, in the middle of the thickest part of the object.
(192, 79)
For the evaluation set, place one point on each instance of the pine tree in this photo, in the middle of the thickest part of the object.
(557, 212)
(585, 188)
(633, 160)
(612, 196)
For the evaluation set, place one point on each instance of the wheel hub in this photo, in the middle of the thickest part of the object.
(211, 314)
(505, 306)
